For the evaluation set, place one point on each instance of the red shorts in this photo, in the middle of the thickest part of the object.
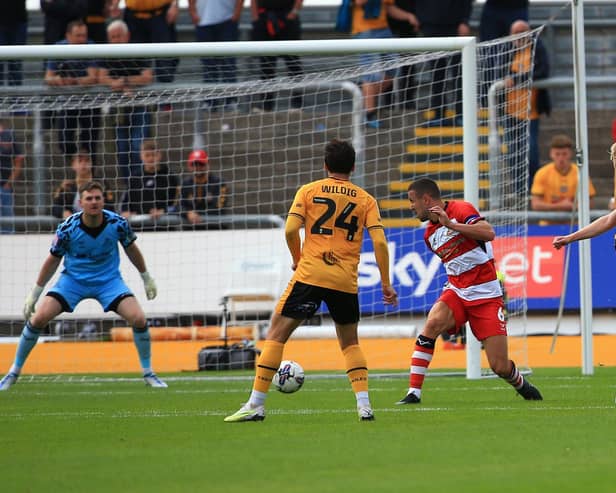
(485, 317)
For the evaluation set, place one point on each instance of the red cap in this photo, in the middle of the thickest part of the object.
(198, 156)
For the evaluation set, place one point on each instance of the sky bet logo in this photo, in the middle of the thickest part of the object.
(410, 270)
(532, 267)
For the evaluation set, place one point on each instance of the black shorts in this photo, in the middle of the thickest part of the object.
(301, 301)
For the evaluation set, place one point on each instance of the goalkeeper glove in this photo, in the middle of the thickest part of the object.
(149, 285)
(31, 301)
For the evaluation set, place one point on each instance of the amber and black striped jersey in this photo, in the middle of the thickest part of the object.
(335, 213)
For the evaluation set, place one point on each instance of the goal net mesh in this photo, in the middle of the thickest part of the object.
(263, 137)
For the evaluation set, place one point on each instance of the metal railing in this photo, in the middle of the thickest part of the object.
(166, 222)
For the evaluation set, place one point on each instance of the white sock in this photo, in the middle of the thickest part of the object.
(417, 392)
(147, 370)
(15, 369)
(257, 398)
(362, 399)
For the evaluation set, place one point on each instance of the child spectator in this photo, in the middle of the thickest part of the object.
(555, 184)
(66, 197)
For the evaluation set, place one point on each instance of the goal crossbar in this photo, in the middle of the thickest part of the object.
(240, 48)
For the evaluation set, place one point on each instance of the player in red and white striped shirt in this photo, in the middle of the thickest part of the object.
(461, 238)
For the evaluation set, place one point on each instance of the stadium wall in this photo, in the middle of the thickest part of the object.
(321, 354)
(190, 284)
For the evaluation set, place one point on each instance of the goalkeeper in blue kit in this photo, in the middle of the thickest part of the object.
(88, 242)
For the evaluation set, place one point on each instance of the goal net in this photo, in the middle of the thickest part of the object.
(259, 116)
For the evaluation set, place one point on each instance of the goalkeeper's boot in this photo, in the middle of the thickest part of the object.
(529, 392)
(365, 414)
(247, 413)
(8, 380)
(410, 398)
(151, 380)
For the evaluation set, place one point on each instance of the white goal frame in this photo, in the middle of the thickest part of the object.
(466, 44)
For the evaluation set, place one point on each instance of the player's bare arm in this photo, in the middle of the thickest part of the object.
(537, 203)
(294, 243)
(480, 230)
(381, 254)
(48, 269)
(136, 257)
(597, 227)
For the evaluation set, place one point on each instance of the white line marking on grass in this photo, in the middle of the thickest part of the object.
(275, 412)
(140, 389)
(98, 380)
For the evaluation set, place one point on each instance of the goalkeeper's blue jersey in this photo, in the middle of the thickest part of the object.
(91, 255)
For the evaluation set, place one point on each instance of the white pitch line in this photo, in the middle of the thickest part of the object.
(283, 412)
(87, 379)
(139, 390)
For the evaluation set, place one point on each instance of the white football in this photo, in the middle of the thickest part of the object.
(289, 378)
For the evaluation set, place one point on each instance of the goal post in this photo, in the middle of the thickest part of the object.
(262, 157)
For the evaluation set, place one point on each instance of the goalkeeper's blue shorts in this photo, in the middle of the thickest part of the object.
(70, 292)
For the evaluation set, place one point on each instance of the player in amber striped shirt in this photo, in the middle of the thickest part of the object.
(461, 237)
(334, 213)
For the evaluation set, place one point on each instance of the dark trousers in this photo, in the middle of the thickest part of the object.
(97, 32)
(219, 69)
(291, 31)
(88, 123)
(12, 35)
(496, 21)
(522, 150)
(154, 29)
(442, 65)
(132, 127)
(406, 73)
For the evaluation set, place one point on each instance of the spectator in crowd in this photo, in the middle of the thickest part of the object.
(58, 13)
(277, 20)
(439, 18)
(153, 21)
(496, 19)
(155, 191)
(134, 122)
(406, 75)
(369, 21)
(13, 31)
(555, 184)
(11, 163)
(517, 105)
(217, 20)
(203, 193)
(66, 199)
(498, 15)
(75, 72)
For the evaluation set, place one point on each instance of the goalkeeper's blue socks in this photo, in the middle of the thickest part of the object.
(142, 342)
(29, 336)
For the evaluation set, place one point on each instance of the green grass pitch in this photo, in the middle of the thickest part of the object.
(110, 434)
